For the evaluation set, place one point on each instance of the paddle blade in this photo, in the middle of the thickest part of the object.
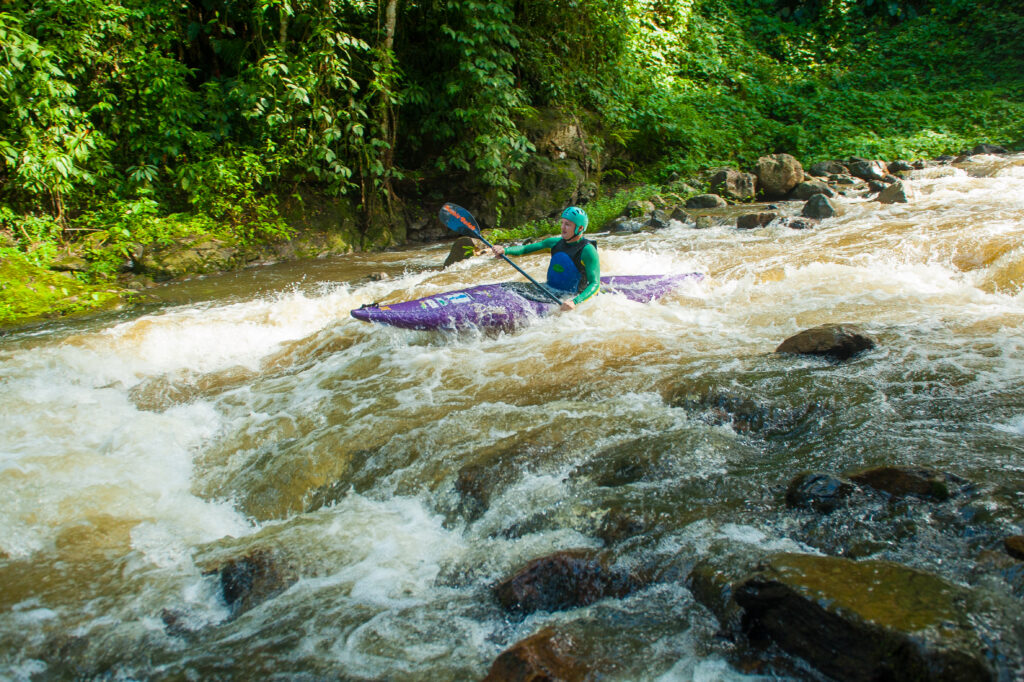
(458, 219)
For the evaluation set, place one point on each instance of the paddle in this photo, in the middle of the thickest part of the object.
(461, 221)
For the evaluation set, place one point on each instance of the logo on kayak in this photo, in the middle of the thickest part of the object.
(442, 301)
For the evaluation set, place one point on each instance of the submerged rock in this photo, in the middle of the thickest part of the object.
(836, 341)
(251, 580)
(799, 223)
(1015, 546)
(869, 620)
(749, 221)
(818, 490)
(901, 481)
(546, 655)
(563, 580)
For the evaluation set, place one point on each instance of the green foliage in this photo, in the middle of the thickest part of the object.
(600, 212)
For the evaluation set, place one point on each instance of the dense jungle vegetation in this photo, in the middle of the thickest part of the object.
(135, 121)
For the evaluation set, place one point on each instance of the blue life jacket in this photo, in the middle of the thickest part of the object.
(566, 271)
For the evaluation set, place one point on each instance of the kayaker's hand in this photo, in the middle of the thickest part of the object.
(568, 305)
(498, 250)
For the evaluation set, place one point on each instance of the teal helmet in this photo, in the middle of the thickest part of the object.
(578, 217)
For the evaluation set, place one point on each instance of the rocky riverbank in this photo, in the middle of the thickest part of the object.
(776, 189)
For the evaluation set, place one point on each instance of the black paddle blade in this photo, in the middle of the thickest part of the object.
(458, 219)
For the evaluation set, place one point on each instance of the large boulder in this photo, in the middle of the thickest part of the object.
(869, 620)
(778, 174)
(733, 184)
(835, 341)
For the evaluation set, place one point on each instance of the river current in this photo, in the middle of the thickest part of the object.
(251, 412)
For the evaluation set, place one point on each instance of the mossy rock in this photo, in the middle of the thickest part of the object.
(865, 620)
(30, 293)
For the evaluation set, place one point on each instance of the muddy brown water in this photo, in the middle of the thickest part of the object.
(251, 411)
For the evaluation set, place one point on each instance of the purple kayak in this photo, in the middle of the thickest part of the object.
(506, 305)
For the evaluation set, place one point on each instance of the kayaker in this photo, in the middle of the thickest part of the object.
(574, 265)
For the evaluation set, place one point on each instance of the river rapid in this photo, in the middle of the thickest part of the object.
(249, 411)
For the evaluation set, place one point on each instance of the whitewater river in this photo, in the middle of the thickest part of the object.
(251, 412)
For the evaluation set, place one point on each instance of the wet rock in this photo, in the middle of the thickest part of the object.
(807, 189)
(988, 149)
(843, 179)
(900, 166)
(618, 525)
(990, 563)
(819, 207)
(463, 248)
(1015, 546)
(890, 179)
(798, 223)
(868, 169)
(706, 201)
(733, 184)
(563, 580)
(639, 209)
(658, 220)
(901, 481)
(680, 215)
(876, 186)
(251, 580)
(896, 193)
(835, 341)
(945, 159)
(491, 470)
(817, 490)
(381, 276)
(778, 174)
(624, 225)
(870, 620)
(743, 414)
(702, 222)
(749, 221)
(712, 581)
(546, 655)
(826, 168)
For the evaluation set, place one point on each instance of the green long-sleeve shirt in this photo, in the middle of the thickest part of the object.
(591, 264)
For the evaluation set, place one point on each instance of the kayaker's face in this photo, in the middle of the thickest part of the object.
(568, 229)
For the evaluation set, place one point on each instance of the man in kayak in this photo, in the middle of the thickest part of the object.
(574, 265)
